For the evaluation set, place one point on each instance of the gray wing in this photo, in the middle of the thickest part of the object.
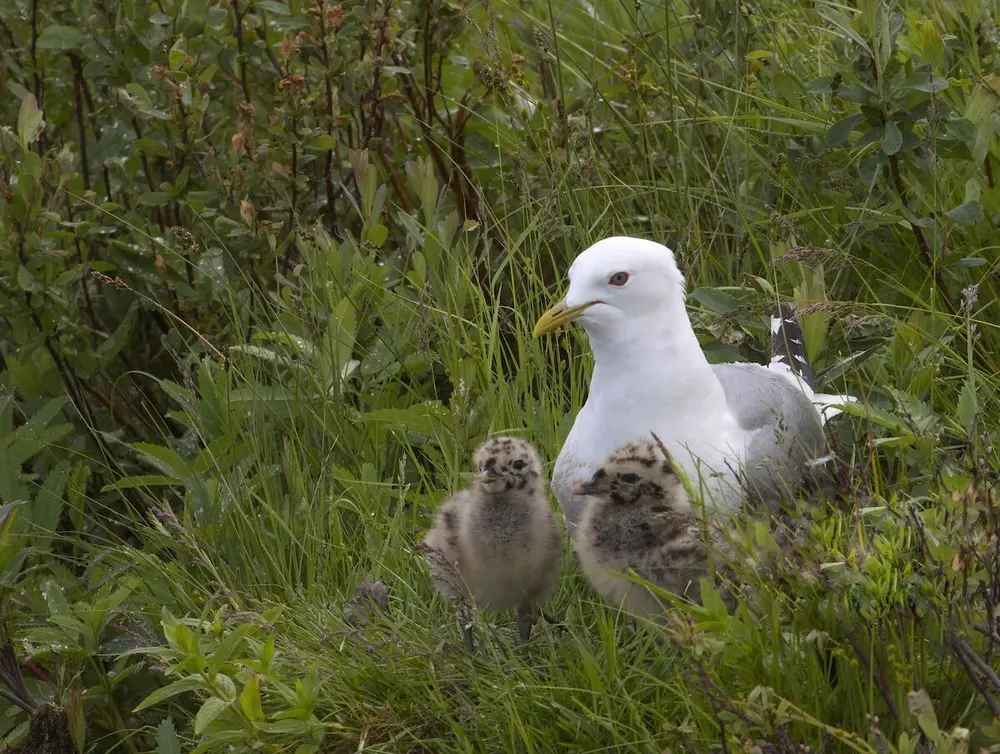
(787, 432)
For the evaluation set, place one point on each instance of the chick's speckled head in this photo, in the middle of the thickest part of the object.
(507, 463)
(634, 472)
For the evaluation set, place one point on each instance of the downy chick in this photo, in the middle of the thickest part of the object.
(638, 516)
(500, 534)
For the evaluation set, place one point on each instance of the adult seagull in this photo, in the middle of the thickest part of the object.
(735, 428)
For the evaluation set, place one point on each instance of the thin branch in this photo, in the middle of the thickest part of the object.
(974, 676)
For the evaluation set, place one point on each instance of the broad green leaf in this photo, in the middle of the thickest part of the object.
(166, 460)
(322, 143)
(285, 727)
(428, 419)
(716, 300)
(231, 644)
(154, 198)
(57, 37)
(43, 513)
(56, 599)
(822, 85)
(840, 130)
(25, 280)
(151, 146)
(111, 347)
(250, 700)
(225, 687)
(843, 23)
(968, 405)
(176, 57)
(272, 6)
(892, 138)
(377, 234)
(177, 687)
(925, 82)
(166, 738)
(966, 213)
(8, 519)
(30, 122)
(921, 707)
(211, 709)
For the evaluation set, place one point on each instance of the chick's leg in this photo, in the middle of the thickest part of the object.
(524, 620)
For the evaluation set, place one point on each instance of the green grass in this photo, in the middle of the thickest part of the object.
(310, 400)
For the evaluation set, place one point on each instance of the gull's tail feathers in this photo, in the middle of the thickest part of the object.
(788, 347)
(789, 358)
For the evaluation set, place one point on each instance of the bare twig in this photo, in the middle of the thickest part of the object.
(960, 647)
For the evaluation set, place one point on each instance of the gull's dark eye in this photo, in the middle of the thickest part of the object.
(518, 465)
(630, 478)
(618, 279)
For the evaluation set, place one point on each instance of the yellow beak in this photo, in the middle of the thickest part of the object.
(558, 316)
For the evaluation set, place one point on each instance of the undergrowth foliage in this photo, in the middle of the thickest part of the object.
(268, 274)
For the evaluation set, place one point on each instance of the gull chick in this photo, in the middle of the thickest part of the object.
(500, 535)
(638, 516)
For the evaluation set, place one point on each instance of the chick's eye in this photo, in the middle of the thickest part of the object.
(630, 478)
(518, 465)
(618, 279)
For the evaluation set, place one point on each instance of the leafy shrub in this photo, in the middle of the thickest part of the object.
(268, 271)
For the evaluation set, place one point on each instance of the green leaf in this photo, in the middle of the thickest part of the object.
(842, 22)
(716, 300)
(427, 419)
(922, 708)
(966, 213)
(8, 518)
(210, 710)
(166, 738)
(111, 347)
(151, 146)
(925, 82)
(322, 143)
(271, 6)
(822, 85)
(166, 460)
(231, 644)
(377, 234)
(968, 405)
(859, 93)
(892, 138)
(30, 122)
(57, 37)
(176, 58)
(840, 130)
(154, 198)
(250, 700)
(139, 481)
(25, 280)
(55, 599)
(177, 687)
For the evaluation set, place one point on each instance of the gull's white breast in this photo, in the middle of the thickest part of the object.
(708, 443)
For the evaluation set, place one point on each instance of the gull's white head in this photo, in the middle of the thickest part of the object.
(616, 281)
